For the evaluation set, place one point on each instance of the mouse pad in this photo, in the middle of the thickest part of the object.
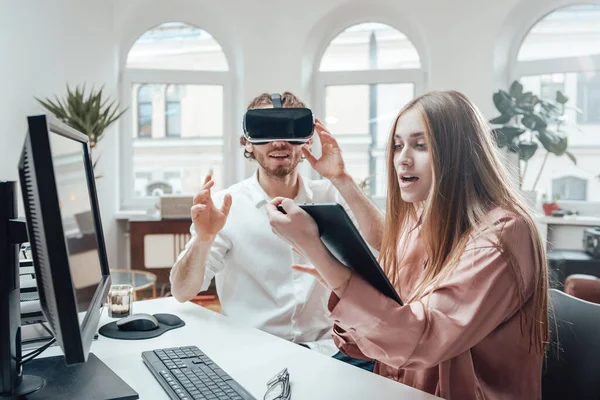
(166, 322)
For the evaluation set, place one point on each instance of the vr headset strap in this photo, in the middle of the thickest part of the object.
(276, 100)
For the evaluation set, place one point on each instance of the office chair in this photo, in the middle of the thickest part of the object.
(572, 367)
(584, 287)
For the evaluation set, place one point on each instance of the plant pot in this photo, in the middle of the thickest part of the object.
(549, 207)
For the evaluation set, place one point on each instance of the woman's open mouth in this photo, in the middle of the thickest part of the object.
(406, 181)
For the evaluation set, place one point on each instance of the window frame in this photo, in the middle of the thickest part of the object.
(561, 65)
(414, 76)
(568, 179)
(139, 126)
(130, 76)
(169, 102)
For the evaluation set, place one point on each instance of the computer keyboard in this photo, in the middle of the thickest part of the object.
(186, 373)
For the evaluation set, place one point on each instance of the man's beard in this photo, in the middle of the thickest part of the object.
(278, 172)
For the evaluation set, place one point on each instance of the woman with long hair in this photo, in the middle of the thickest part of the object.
(459, 246)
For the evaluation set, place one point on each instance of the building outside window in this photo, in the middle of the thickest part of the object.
(562, 52)
(173, 111)
(569, 188)
(177, 82)
(366, 75)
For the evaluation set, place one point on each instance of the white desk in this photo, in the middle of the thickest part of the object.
(250, 356)
(565, 233)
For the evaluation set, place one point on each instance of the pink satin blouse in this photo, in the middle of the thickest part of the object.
(472, 345)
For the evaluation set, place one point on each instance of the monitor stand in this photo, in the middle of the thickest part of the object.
(29, 384)
(92, 380)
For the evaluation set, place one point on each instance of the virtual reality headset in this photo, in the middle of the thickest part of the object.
(264, 125)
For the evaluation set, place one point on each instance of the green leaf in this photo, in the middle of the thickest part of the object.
(571, 156)
(87, 112)
(552, 142)
(499, 138)
(516, 89)
(506, 134)
(526, 149)
(96, 162)
(513, 148)
(502, 119)
(550, 107)
(534, 122)
(527, 102)
(561, 98)
(504, 102)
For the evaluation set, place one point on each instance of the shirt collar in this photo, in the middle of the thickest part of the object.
(260, 197)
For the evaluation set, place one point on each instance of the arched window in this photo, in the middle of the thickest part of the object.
(177, 82)
(173, 111)
(366, 75)
(562, 52)
(144, 111)
(569, 188)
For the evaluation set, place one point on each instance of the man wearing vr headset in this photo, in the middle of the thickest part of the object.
(232, 239)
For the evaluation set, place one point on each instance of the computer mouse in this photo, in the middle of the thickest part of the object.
(138, 322)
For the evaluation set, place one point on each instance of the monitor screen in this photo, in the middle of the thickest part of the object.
(65, 232)
(78, 222)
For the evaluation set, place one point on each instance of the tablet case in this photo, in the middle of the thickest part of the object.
(344, 241)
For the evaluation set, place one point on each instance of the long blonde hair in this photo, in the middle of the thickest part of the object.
(469, 179)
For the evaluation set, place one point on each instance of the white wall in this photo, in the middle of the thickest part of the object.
(45, 45)
(271, 46)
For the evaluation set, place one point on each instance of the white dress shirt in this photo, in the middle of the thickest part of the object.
(252, 267)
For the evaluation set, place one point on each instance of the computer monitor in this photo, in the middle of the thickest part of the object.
(71, 266)
(57, 182)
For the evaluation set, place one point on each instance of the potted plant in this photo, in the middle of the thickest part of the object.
(525, 122)
(90, 114)
(549, 207)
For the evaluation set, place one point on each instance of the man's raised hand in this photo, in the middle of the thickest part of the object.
(207, 218)
(331, 164)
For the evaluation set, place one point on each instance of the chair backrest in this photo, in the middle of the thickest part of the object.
(572, 369)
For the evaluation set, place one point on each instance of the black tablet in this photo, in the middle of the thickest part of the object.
(343, 240)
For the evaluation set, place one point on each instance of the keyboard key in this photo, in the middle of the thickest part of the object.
(221, 373)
